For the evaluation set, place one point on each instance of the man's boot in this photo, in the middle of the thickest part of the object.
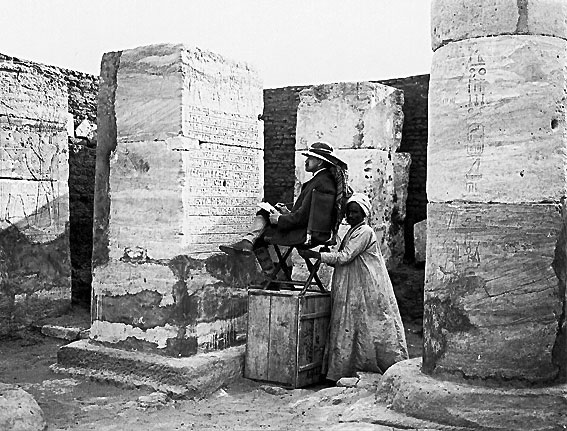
(243, 246)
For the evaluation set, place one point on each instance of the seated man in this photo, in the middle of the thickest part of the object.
(289, 227)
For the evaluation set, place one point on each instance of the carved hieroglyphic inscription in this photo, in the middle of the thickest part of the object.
(221, 193)
(26, 154)
(33, 151)
(476, 89)
(209, 125)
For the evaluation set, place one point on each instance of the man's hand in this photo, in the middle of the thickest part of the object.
(309, 254)
(282, 208)
(274, 218)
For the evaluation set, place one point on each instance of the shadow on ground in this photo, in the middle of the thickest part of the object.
(71, 403)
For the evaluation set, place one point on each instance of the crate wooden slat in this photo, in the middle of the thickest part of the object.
(286, 336)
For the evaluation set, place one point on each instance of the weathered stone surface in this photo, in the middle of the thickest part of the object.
(177, 307)
(179, 171)
(192, 195)
(350, 115)
(497, 120)
(348, 382)
(34, 198)
(457, 20)
(166, 90)
(396, 233)
(493, 302)
(367, 380)
(194, 377)
(86, 129)
(19, 411)
(62, 332)
(420, 240)
(368, 410)
(459, 404)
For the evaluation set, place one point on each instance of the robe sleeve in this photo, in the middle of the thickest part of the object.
(360, 240)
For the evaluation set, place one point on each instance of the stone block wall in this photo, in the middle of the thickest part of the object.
(82, 93)
(35, 272)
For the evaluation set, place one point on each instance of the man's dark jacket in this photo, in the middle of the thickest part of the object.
(292, 227)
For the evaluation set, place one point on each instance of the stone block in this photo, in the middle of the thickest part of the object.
(402, 163)
(368, 380)
(62, 332)
(34, 95)
(458, 20)
(196, 195)
(19, 411)
(420, 240)
(497, 120)
(176, 307)
(86, 129)
(493, 302)
(460, 405)
(179, 171)
(170, 89)
(350, 115)
(194, 377)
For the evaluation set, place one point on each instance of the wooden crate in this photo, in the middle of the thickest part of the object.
(286, 336)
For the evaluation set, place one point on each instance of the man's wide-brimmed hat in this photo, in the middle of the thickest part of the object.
(324, 151)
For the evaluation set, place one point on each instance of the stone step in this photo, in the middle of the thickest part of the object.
(187, 377)
(65, 332)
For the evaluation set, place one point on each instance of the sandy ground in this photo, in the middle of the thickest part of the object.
(78, 404)
(71, 403)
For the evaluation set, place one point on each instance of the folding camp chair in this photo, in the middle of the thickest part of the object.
(320, 233)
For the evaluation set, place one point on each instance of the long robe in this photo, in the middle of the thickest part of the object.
(366, 330)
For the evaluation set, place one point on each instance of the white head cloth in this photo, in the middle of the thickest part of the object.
(362, 200)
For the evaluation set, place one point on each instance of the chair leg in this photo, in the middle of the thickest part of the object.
(281, 265)
(313, 268)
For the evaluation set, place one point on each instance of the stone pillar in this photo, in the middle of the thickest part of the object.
(363, 122)
(35, 271)
(495, 271)
(179, 171)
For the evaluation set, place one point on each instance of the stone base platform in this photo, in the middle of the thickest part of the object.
(405, 389)
(189, 377)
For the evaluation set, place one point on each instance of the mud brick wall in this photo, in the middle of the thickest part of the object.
(280, 121)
